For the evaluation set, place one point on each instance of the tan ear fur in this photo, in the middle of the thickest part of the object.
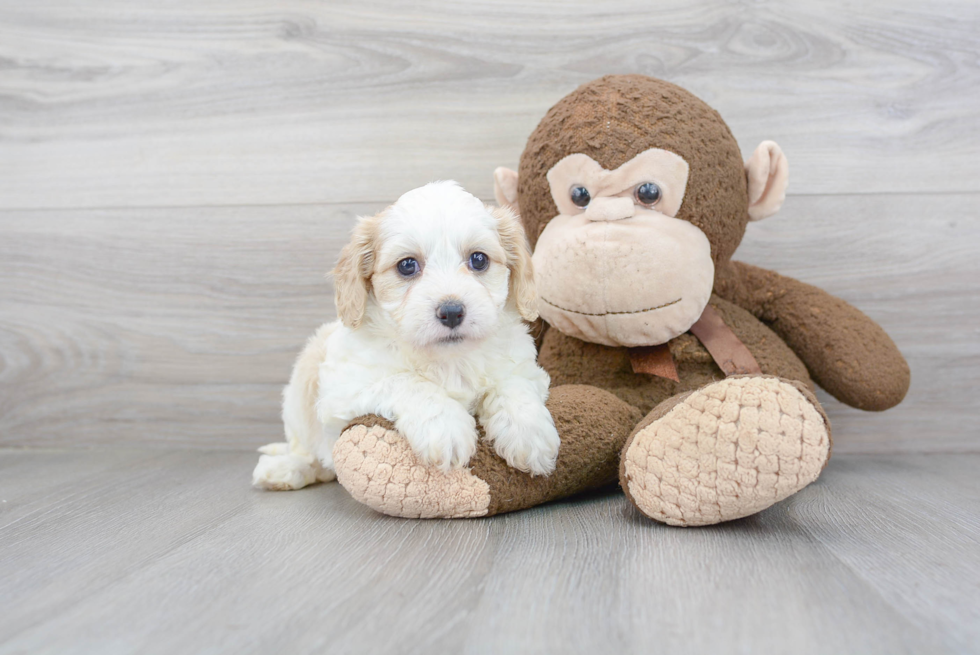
(767, 174)
(352, 275)
(505, 188)
(514, 241)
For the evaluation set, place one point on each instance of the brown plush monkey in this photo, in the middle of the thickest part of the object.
(686, 375)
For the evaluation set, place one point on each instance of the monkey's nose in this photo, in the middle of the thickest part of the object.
(450, 313)
(609, 209)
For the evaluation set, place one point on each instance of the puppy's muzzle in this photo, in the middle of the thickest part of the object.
(450, 313)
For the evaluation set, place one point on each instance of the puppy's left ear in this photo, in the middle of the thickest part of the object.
(352, 275)
(512, 238)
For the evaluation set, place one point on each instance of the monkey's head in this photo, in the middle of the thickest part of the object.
(632, 192)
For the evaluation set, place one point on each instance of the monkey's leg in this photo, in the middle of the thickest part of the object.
(377, 466)
(727, 450)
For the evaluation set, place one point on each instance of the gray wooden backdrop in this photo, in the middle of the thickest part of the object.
(175, 179)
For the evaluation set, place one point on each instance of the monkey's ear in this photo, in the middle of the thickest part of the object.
(767, 172)
(505, 188)
(352, 275)
(514, 241)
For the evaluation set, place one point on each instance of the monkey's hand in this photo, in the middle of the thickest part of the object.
(847, 353)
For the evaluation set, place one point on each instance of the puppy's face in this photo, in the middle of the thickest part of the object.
(439, 265)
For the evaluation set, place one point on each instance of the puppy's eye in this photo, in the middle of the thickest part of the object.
(408, 267)
(580, 196)
(648, 193)
(479, 261)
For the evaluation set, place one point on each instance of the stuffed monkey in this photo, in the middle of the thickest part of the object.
(686, 376)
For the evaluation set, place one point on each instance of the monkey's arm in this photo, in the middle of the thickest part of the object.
(846, 352)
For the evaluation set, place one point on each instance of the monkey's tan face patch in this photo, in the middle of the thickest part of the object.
(667, 170)
(620, 271)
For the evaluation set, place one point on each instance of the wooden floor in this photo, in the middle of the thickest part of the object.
(170, 551)
(175, 179)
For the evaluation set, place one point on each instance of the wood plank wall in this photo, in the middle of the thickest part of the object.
(176, 178)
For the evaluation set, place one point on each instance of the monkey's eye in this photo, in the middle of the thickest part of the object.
(479, 261)
(408, 267)
(648, 193)
(580, 196)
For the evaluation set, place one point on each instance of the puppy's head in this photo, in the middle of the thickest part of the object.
(439, 265)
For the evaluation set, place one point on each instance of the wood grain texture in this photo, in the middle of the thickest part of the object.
(179, 326)
(175, 179)
(190, 103)
(160, 552)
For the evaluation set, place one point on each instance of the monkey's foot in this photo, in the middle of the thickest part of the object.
(377, 466)
(730, 449)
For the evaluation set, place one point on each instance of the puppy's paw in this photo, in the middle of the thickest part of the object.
(284, 472)
(446, 440)
(525, 437)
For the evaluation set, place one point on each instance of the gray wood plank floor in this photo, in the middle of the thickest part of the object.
(175, 179)
(166, 551)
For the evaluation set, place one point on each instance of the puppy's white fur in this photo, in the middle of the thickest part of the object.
(390, 355)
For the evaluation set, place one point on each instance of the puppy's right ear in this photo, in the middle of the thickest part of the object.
(514, 241)
(352, 275)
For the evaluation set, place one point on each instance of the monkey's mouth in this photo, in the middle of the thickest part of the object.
(635, 311)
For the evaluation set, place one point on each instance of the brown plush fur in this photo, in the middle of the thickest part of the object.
(594, 425)
(846, 352)
(571, 361)
(617, 116)
(794, 330)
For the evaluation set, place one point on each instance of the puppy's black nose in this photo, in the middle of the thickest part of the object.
(450, 313)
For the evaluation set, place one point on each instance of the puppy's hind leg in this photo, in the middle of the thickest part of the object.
(294, 464)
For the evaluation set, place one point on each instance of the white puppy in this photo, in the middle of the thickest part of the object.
(430, 293)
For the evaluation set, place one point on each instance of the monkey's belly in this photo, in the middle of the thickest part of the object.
(572, 361)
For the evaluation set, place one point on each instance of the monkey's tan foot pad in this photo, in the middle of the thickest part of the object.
(727, 450)
(378, 468)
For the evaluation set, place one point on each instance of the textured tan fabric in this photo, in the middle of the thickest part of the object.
(639, 282)
(380, 470)
(377, 466)
(728, 450)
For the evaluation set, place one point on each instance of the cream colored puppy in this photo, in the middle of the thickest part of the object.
(431, 294)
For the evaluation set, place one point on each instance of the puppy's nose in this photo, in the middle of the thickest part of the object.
(450, 313)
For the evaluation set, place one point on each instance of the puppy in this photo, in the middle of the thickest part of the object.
(430, 294)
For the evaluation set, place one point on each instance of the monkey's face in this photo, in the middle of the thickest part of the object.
(615, 266)
(632, 190)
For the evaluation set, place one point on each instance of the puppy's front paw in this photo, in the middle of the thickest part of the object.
(525, 437)
(446, 440)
